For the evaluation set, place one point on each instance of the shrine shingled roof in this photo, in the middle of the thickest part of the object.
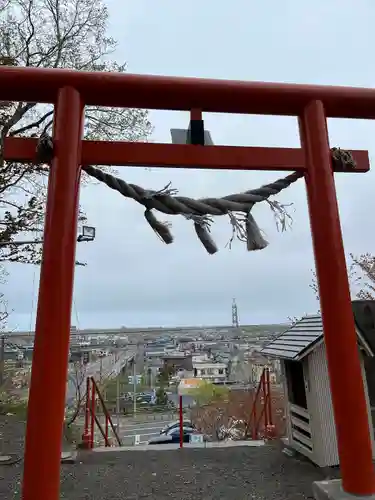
(300, 338)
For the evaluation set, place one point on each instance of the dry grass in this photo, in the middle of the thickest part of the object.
(240, 405)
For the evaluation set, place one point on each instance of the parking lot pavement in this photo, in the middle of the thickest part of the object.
(145, 431)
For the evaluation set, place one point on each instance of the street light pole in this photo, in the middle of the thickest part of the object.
(134, 388)
(2, 359)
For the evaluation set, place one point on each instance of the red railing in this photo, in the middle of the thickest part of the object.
(261, 412)
(93, 395)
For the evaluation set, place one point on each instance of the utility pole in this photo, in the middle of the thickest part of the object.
(134, 387)
(235, 322)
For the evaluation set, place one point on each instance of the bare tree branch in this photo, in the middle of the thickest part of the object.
(51, 34)
(78, 377)
(361, 275)
(36, 124)
(363, 271)
(4, 312)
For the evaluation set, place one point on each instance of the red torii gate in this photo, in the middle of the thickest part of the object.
(70, 91)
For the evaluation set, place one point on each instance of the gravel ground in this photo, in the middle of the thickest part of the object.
(259, 473)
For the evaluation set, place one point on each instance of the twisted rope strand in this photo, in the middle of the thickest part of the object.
(199, 210)
(182, 205)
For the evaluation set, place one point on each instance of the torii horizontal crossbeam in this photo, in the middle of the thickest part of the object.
(179, 155)
(176, 93)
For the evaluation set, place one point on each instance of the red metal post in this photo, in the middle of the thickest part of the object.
(87, 403)
(106, 430)
(265, 407)
(348, 397)
(93, 412)
(86, 433)
(51, 348)
(268, 391)
(181, 424)
(254, 409)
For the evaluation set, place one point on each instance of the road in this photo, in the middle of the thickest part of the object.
(104, 368)
(145, 431)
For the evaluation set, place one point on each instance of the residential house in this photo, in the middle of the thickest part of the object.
(210, 370)
(178, 360)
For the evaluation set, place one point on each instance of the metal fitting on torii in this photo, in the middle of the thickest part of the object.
(195, 135)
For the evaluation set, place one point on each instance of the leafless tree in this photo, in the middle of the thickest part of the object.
(241, 371)
(364, 275)
(361, 275)
(209, 418)
(314, 285)
(294, 319)
(4, 311)
(229, 418)
(51, 34)
(78, 378)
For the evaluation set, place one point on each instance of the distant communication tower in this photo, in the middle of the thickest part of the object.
(235, 323)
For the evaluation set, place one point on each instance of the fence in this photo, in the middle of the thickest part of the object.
(141, 428)
(244, 414)
(250, 413)
(95, 432)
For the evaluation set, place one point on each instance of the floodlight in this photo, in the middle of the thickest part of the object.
(88, 234)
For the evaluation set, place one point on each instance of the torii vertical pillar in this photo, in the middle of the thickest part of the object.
(348, 396)
(41, 480)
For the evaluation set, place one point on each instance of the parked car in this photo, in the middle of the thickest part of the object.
(176, 425)
(173, 436)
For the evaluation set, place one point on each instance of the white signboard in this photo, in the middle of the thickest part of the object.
(196, 438)
(137, 439)
(138, 379)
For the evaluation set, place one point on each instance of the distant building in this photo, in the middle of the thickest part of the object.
(210, 370)
(152, 353)
(178, 361)
(200, 357)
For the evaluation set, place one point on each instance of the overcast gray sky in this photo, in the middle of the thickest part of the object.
(132, 278)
